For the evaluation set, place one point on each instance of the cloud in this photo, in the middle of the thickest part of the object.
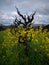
(8, 11)
(8, 15)
(41, 19)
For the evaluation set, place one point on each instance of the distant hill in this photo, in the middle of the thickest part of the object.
(46, 27)
(3, 27)
(37, 25)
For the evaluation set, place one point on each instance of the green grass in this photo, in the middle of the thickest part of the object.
(1, 36)
(2, 33)
(1, 40)
(16, 56)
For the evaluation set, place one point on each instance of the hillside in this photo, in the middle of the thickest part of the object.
(3, 27)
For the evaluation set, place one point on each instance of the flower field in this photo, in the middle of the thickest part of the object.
(12, 49)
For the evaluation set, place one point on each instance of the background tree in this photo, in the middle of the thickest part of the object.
(28, 19)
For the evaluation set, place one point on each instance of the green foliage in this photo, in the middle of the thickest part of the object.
(13, 53)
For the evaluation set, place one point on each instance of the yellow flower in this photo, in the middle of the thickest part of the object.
(47, 40)
(33, 35)
(36, 41)
(48, 54)
(43, 41)
(41, 46)
(12, 44)
(4, 45)
(47, 50)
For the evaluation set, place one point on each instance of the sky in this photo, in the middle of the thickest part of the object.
(8, 11)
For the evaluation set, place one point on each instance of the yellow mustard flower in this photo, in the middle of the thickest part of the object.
(47, 40)
(36, 41)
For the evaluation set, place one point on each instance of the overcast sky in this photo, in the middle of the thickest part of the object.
(8, 10)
